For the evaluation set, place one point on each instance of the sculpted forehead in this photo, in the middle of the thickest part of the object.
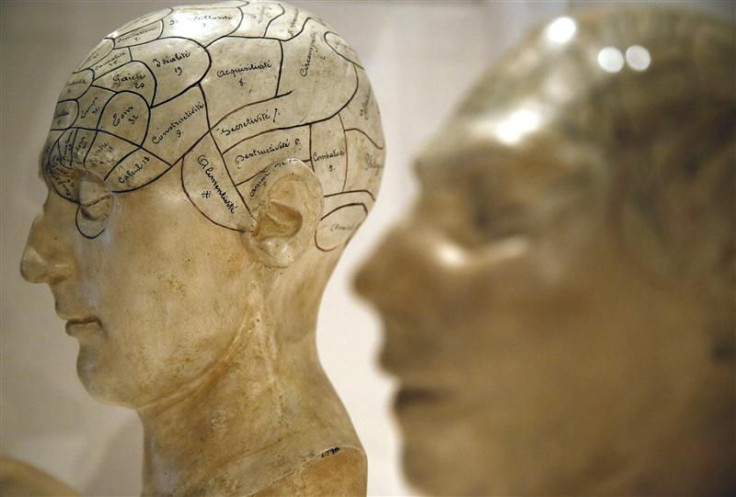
(220, 92)
(475, 147)
(600, 88)
(476, 185)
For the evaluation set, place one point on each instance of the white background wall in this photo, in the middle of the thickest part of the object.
(421, 56)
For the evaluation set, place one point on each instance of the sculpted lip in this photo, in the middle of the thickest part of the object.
(76, 327)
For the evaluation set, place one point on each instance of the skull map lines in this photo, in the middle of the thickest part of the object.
(222, 91)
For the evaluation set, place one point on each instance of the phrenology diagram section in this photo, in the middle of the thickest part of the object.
(218, 94)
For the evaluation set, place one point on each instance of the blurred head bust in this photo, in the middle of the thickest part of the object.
(559, 304)
(206, 166)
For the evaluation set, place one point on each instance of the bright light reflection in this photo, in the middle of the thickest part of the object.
(561, 30)
(450, 255)
(638, 57)
(518, 124)
(611, 59)
(188, 26)
(505, 249)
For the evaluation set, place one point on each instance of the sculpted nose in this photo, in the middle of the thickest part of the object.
(372, 278)
(415, 269)
(33, 266)
(395, 269)
(40, 263)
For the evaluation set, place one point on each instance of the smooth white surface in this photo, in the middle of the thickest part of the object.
(421, 57)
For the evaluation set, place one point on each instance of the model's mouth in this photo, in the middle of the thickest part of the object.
(408, 397)
(83, 326)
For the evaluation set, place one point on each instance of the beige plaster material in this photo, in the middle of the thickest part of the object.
(206, 166)
(19, 479)
(559, 305)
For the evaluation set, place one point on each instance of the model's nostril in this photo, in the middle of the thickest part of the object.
(32, 266)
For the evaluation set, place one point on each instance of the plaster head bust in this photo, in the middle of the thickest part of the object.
(558, 306)
(206, 166)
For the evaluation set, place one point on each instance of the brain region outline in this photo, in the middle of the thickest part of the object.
(223, 91)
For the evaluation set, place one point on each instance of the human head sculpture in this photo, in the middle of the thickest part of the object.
(558, 306)
(206, 166)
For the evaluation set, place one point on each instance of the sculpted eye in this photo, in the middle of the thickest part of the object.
(95, 200)
(481, 219)
(494, 223)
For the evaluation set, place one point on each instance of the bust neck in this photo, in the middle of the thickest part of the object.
(264, 412)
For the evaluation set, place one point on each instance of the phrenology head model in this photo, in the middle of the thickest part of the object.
(559, 304)
(206, 166)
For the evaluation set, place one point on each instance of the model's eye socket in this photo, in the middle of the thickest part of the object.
(494, 222)
(95, 200)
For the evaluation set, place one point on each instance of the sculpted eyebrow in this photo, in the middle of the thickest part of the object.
(445, 167)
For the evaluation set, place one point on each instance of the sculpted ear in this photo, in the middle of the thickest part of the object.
(287, 207)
